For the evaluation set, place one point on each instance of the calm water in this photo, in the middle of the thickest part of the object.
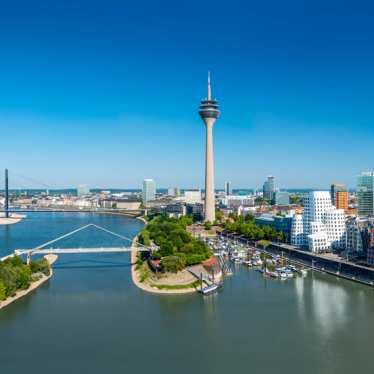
(90, 318)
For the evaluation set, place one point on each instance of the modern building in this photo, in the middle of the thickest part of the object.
(342, 200)
(82, 190)
(149, 190)
(321, 226)
(281, 198)
(336, 187)
(269, 188)
(228, 190)
(279, 223)
(354, 239)
(195, 210)
(192, 197)
(209, 112)
(365, 193)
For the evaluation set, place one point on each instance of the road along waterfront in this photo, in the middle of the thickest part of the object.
(90, 317)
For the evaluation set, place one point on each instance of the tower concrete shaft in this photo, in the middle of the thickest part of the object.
(210, 209)
(209, 112)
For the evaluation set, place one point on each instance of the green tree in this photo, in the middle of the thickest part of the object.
(3, 293)
(173, 264)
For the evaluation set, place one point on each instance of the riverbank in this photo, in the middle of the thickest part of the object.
(12, 219)
(153, 289)
(34, 285)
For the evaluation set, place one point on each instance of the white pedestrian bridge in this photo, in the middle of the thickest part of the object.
(47, 249)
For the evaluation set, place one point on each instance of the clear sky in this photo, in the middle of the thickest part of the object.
(106, 92)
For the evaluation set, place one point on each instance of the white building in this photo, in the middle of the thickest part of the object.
(321, 226)
(192, 197)
(149, 190)
(82, 190)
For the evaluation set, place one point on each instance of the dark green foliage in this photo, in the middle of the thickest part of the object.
(247, 226)
(15, 274)
(173, 264)
(171, 236)
(40, 265)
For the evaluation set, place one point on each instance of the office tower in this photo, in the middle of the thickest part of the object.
(321, 226)
(269, 188)
(281, 198)
(209, 112)
(228, 190)
(82, 190)
(149, 190)
(336, 187)
(342, 200)
(365, 193)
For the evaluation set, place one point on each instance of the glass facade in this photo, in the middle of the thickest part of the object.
(149, 190)
(365, 194)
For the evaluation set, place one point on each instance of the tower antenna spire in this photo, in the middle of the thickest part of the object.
(209, 87)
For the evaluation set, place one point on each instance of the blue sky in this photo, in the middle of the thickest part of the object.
(106, 92)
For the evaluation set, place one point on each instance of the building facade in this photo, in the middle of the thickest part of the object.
(228, 190)
(365, 193)
(336, 187)
(342, 200)
(321, 226)
(149, 190)
(268, 188)
(281, 198)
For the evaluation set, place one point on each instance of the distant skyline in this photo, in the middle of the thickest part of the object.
(106, 93)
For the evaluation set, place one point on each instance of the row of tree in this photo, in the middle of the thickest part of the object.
(16, 275)
(177, 247)
(247, 226)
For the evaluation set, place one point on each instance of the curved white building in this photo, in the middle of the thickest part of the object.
(321, 226)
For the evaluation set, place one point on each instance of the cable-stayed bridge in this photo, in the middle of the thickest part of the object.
(46, 248)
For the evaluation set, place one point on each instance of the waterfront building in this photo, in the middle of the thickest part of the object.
(281, 198)
(321, 226)
(82, 190)
(209, 112)
(279, 223)
(269, 188)
(149, 190)
(365, 193)
(355, 236)
(228, 190)
(192, 197)
(334, 189)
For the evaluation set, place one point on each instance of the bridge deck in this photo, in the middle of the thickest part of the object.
(78, 250)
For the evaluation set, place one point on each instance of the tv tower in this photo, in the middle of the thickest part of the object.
(209, 112)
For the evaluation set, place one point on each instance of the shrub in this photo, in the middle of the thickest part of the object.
(173, 264)
(40, 265)
(2, 291)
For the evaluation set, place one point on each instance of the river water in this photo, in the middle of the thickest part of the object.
(90, 318)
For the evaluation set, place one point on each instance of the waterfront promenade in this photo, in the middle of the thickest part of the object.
(328, 264)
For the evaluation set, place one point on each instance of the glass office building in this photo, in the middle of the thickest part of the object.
(365, 194)
(149, 190)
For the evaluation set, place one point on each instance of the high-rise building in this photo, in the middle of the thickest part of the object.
(209, 112)
(336, 187)
(365, 193)
(149, 190)
(269, 188)
(342, 200)
(82, 190)
(228, 190)
(321, 226)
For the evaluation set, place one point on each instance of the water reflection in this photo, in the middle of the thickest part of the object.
(322, 301)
